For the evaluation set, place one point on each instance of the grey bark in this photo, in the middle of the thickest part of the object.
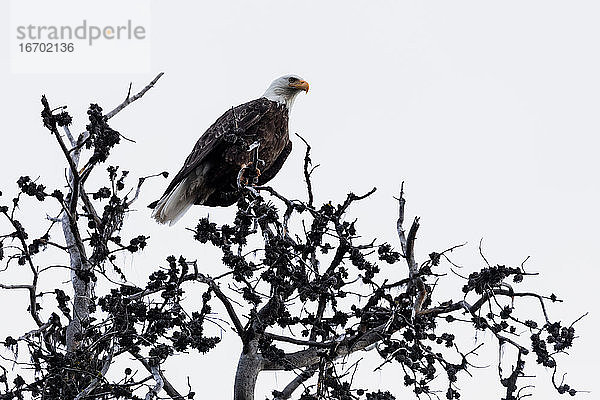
(159, 383)
(249, 366)
(82, 290)
(291, 387)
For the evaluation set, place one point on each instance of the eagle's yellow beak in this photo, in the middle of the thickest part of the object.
(301, 85)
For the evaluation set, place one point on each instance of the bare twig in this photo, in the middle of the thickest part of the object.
(307, 172)
(141, 182)
(130, 99)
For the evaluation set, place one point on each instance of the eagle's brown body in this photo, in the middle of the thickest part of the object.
(256, 131)
(260, 121)
(209, 174)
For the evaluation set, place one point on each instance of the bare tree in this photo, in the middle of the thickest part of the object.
(290, 264)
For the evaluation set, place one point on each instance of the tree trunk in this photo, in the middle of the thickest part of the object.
(249, 366)
(82, 291)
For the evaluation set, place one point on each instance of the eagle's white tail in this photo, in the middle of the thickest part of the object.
(171, 207)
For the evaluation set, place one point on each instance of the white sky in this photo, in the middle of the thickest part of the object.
(488, 111)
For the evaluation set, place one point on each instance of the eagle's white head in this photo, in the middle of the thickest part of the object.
(285, 89)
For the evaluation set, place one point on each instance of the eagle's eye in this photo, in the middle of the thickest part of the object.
(292, 79)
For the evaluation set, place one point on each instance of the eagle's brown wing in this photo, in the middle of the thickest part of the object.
(228, 128)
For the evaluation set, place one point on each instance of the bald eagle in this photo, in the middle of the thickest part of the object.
(209, 175)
